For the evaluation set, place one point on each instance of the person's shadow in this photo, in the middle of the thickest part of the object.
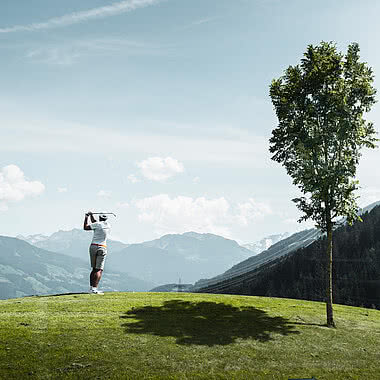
(205, 323)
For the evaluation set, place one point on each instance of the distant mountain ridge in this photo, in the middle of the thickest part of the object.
(74, 243)
(28, 270)
(188, 256)
(192, 244)
(204, 259)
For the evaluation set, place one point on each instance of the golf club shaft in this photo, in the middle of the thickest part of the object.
(103, 213)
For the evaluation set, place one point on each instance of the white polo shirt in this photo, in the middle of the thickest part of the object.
(101, 232)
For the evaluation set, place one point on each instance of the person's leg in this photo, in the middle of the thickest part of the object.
(95, 277)
(94, 280)
(98, 256)
(99, 267)
(92, 251)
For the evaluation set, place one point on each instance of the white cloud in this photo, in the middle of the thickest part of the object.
(196, 179)
(123, 204)
(160, 169)
(14, 186)
(62, 189)
(183, 214)
(104, 194)
(78, 17)
(251, 210)
(132, 178)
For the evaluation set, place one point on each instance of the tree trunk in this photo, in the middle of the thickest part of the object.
(329, 290)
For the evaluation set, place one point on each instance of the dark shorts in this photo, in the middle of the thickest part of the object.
(97, 256)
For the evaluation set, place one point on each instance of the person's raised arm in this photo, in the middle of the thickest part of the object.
(93, 220)
(85, 223)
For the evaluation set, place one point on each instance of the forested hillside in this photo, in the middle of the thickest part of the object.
(281, 248)
(356, 269)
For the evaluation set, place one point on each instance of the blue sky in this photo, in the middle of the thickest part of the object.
(158, 111)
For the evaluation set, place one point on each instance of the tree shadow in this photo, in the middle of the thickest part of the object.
(309, 324)
(205, 323)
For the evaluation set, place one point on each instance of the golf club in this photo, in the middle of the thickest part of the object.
(104, 213)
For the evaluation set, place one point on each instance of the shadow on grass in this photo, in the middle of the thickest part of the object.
(308, 324)
(205, 323)
(56, 295)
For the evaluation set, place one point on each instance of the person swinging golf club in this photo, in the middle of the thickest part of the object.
(98, 248)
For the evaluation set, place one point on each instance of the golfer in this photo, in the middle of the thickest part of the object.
(98, 248)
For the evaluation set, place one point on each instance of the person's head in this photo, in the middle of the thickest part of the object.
(103, 218)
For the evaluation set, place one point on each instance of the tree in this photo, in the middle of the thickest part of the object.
(320, 105)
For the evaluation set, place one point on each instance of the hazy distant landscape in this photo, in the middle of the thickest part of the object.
(59, 263)
(201, 262)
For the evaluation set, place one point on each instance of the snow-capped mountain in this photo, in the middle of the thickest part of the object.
(33, 239)
(263, 244)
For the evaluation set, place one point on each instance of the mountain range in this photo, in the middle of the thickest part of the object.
(172, 257)
(188, 257)
(59, 262)
(72, 243)
(29, 270)
(160, 263)
(64, 255)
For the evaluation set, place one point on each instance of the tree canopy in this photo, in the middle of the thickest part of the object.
(320, 105)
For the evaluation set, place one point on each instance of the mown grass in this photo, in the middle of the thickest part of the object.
(184, 336)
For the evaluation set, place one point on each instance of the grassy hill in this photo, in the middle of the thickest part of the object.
(184, 336)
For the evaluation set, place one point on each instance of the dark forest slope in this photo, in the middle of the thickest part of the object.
(356, 269)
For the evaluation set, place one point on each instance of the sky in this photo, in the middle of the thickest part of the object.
(159, 111)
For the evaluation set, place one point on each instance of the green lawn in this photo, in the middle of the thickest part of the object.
(184, 336)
